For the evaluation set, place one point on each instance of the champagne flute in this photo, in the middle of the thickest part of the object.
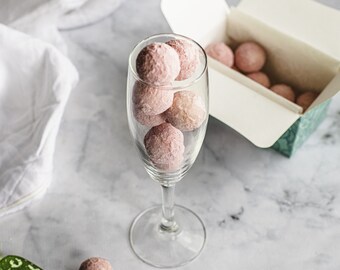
(168, 235)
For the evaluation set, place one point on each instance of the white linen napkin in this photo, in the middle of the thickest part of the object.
(35, 83)
(43, 18)
(37, 18)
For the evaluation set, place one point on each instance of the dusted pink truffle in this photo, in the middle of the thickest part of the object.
(188, 56)
(284, 91)
(250, 57)
(187, 111)
(148, 120)
(151, 100)
(165, 146)
(95, 263)
(260, 78)
(235, 68)
(221, 52)
(158, 63)
(306, 99)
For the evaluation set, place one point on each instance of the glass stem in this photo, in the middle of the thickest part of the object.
(168, 222)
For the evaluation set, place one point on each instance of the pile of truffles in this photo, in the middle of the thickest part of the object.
(249, 58)
(167, 112)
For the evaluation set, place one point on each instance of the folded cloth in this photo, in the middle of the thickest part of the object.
(43, 18)
(35, 83)
(37, 18)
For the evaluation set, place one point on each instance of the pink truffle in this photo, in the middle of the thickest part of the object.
(188, 56)
(250, 57)
(221, 52)
(235, 68)
(151, 100)
(306, 99)
(165, 146)
(95, 263)
(148, 120)
(187, 111)
(260, 78)
(284, 91)
(158, 63)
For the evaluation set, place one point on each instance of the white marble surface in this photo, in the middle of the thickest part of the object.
(261, 210)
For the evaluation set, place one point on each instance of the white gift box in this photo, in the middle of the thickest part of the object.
(302, 40)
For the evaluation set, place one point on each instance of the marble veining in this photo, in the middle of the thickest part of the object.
(261, 210)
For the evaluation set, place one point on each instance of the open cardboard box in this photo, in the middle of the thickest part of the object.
(302, 40)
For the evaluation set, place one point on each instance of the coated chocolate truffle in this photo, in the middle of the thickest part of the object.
(284, 91)
(188, 56)
(158, 63)
(148, 120)
(250, 57)
(151, 100)
(165, 146)
(95, 263)
(260, 78)
(221, 52)
(306, 99)
(187, 111)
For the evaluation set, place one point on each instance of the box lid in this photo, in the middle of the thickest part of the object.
(200, 20)
(313, 23)
(319, 27)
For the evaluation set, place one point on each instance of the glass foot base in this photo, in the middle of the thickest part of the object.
(167, 249)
